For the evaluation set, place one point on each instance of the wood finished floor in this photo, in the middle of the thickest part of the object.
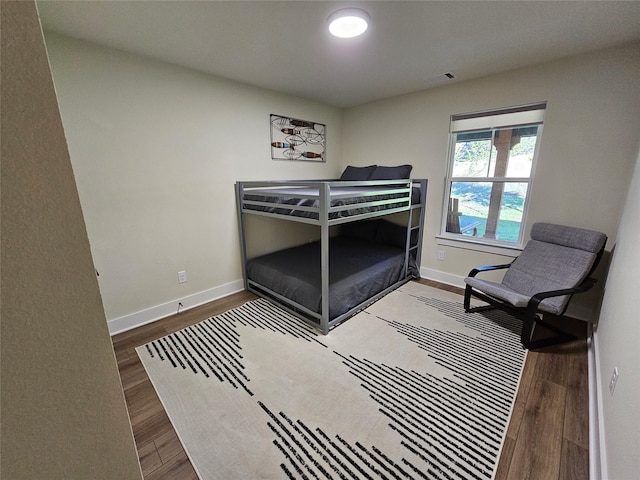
(547, 438)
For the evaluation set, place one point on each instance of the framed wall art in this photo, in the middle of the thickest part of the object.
(295, 139)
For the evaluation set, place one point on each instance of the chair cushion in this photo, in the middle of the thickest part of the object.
(542, 267)
(572, 237)
(556, 258)
(501, 292)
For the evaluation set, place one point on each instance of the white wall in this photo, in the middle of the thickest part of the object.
(63, 409)
(156, 150)
(587, 152)
(617, 338)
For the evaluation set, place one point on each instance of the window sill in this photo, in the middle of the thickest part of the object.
(479, 246)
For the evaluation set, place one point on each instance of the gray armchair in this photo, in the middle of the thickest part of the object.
(555, 264)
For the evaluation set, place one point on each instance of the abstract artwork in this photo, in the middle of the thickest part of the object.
(295, 139)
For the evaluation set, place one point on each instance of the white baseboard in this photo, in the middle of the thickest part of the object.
(137, 319)
(143, 317)
(442, 277)
(597, 451)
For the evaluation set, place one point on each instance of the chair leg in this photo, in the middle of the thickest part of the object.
(528, 326)
(467, 298)
(528, 329)
(467, 302)
(526, 335)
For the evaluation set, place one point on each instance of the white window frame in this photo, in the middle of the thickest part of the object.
(519, 116)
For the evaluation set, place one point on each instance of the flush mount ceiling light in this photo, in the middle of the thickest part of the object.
(348, 22)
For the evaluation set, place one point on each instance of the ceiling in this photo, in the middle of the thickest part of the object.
(285, 46)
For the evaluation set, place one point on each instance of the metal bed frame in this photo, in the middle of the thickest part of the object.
(326, 192)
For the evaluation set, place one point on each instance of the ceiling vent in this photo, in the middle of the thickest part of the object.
(439, 79)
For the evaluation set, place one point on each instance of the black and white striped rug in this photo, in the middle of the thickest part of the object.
(412, 387)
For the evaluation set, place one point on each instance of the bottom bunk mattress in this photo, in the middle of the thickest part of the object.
(358, 270)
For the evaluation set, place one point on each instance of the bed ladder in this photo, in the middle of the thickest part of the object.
(420, 207)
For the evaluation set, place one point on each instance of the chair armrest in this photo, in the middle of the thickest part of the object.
(487, 268)
(587, 284)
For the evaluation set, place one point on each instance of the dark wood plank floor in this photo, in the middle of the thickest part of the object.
(547, 438)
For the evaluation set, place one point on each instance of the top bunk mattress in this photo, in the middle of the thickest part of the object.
(348, 200)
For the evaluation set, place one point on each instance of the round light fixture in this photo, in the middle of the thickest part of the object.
(348, 22)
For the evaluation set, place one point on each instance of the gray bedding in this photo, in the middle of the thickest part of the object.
(358, 270)
(284, 201)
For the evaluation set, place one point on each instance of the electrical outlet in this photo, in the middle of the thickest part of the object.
(614, 380)
(182, 276)
(441, 255)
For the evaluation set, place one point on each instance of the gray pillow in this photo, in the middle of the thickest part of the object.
(357, 173)
(391, 173)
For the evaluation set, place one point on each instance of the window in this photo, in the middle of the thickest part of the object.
(491, 163)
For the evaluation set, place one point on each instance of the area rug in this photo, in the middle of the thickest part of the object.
(411, 387)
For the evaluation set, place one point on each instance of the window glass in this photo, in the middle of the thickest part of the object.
(490, 175)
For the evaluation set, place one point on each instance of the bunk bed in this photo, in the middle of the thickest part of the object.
(359, 257)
